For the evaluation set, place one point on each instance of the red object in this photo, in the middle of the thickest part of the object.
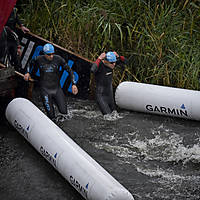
(6, 7)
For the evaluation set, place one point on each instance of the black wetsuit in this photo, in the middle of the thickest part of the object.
(104, 89)
(49, 82)
(8, 47)
(13, 20)
(13, 40)
(3, 45)
(12, 46)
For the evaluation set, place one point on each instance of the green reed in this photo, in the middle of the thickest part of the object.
(162, 37)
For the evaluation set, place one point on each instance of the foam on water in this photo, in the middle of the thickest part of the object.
(112, 116)
(167, 174)
(160, 155)
(169, 185)
(92, 114)
(165, 147)
(86, 113)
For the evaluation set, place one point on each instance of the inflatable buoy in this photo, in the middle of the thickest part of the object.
(75, 165)
(156, 99)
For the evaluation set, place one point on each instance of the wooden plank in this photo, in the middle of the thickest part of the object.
(63, 49)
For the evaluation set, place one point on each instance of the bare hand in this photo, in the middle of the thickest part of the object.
(117, 55)
(102, 56)
(24, 29)
(27, 76)
(74, 89)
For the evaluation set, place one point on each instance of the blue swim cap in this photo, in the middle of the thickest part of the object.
(111, 57)
(48, 48)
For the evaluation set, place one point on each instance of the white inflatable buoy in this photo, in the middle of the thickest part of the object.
(75, 165)
(156, 99)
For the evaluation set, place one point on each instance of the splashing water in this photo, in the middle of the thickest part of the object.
(160, 155)
(86, 113)
(62, 117)
(112, 116)
(165, 148)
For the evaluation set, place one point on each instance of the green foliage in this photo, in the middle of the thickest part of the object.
(162, 36)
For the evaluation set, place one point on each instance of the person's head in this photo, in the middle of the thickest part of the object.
(110, 59)
(49, 51)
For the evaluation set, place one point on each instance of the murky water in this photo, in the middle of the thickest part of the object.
(154, 157)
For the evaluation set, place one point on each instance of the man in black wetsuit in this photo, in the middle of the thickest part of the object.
(14, 52)
(103, 70)
(14, 48)
(48, 65)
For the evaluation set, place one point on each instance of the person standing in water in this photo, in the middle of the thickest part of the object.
(50, 89)
(103, 71)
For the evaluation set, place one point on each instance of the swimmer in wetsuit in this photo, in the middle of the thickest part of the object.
(14, 48)
(103, 70)
(48, 66)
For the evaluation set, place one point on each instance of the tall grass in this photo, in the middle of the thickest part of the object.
(161, 36)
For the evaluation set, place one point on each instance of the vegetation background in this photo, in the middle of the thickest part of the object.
(160, 37)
